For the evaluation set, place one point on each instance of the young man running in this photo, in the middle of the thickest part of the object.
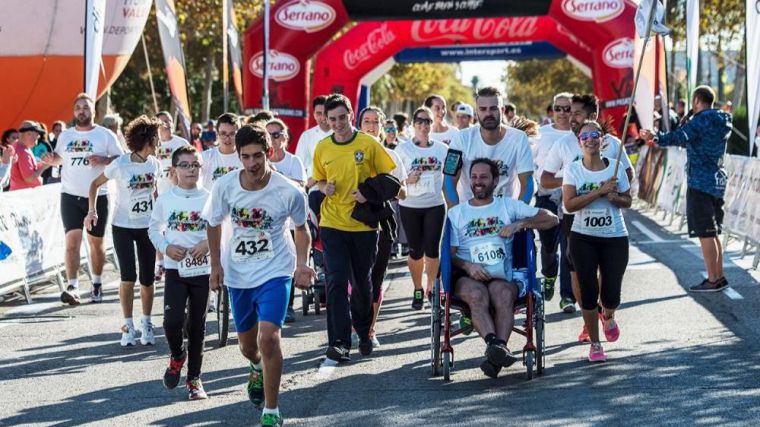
(83, 152)
(259, 260)
(221, 159)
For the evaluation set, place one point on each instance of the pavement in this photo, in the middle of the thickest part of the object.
(682, 359)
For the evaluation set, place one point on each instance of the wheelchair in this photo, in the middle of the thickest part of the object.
(316, 295)
(442, 331)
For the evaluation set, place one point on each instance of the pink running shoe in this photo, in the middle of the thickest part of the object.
(610, 328)
(596, 353)
(583, 337)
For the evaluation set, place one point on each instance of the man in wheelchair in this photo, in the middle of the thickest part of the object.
(481, 252)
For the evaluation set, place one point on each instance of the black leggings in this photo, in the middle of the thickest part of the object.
(423, 227)
(190, 293)
(124, 241)
(384, 247)
(609, 256)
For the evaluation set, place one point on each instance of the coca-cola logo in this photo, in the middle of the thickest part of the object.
(376, 40)
(619, 53)
(282, 66)
(305, 15)
(473, 29)
(593, 10)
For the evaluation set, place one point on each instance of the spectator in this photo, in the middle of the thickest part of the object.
(510, 112)
(42, 147)
(208, 136)
(58, 127)
(549, 117)
(195, 136)
(681, 109)
(113, 123)
(9, 138)
(402, 120)
(7, 157)
(26, 172)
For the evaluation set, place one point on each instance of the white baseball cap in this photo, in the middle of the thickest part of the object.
(465, 109)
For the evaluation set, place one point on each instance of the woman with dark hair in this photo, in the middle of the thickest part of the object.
(136, 174)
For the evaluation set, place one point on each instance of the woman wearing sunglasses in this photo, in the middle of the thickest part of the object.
(291, 167)
(598, 238)
(391, 135)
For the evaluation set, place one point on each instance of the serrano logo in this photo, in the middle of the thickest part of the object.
(619, 53)
(306, 15)
(593, 10)
(376, 40)
(282, 66)
(478, 29)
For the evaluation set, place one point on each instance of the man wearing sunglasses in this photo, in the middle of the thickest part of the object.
(549, 199)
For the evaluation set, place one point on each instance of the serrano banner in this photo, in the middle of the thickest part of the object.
(174, 59)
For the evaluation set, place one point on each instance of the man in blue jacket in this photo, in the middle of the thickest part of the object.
(705, 137)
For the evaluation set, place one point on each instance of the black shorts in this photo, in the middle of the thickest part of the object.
(74, 210)
(566, 225)
(125, 240)
(704, 214)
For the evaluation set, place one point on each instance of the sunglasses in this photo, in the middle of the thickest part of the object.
(185, 165)
(594, 134)
(276, 135)
(564, 109)
(423, 121)
(389, 130)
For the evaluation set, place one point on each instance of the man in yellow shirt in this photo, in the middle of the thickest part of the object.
(342, 161)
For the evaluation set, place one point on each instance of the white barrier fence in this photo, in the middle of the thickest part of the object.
(32, 230)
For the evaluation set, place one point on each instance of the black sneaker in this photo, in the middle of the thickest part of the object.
(490, 369)
(549, 287)
(172, 373)
(365, 346)
(96, 295)
(498, 354)
(417, 300)
(708, 286)
(338, 353)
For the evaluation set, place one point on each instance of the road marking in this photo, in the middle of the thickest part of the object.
(649, 233)
(32, 308)
(731, 293)
(650, 242)
(326, 369)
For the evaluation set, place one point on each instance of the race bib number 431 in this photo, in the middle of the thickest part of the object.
(140, 206)
(252, 247)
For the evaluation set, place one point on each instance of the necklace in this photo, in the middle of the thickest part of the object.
(140, 157)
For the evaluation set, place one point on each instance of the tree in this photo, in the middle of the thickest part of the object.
(532, 84)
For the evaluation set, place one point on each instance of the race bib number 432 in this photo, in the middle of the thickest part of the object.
(252, 247)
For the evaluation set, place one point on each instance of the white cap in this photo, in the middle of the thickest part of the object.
(465, 109)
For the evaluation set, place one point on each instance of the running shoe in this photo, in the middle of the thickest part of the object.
(338, 353)
(128, 336)
(549, 287)
(290, 315)
(71, 296)
(610, 328)
(490, 369)
(271, 420)
(146, 334)
(465, 324)
(365, 346)
(256, 387)
(567, 305)
(417, 300)
(159, 273)
(173, 372)
(583, 336)
(96, 294)
(373, 338)
(195, 389)
(498, 354)
(596, 353)
(354, 339)
(708, 286)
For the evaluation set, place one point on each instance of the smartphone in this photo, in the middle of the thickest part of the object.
(453, 162)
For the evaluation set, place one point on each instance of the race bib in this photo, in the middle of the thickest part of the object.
(193, 267)
(489, 253)
(597, 220)
(252, 247)
(80, 161)
(425, 185)
(140, 206)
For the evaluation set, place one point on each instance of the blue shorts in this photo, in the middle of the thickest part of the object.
(268, 303)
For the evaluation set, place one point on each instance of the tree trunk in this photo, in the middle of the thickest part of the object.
(721, 63)
(207, 84)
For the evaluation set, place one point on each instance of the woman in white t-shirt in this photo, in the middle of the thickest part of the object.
(136, 175)
(423, 211)
(440, 131)
(599, 238)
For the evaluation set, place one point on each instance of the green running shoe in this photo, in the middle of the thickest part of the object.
(465, 324)
(271, 420)
(549, 287)
(256, 387)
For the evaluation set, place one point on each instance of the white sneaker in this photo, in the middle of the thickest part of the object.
(128, 336)
(211, 302)
(146, 335)
(375, 342)
(71, 296)
(354, 340)
(96, 294)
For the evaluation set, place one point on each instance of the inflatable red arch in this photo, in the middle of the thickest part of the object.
(597, 33)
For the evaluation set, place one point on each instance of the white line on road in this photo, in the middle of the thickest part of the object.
(650, 242)
(731, 293)
(32, 308)
(649, 233)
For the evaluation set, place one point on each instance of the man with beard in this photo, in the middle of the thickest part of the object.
(509, 147)
(83, 152)
(481, 253)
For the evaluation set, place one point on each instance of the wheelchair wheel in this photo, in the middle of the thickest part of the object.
(529, 362)
(317, 298)
(435, 338)
(305, 302)
(223, 315)
(447, 366)
(540, 339)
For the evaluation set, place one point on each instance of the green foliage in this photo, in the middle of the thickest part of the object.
(410, 84)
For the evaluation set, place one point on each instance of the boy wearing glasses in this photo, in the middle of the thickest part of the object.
(223, 158)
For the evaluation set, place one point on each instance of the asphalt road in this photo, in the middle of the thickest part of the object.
(681, 359)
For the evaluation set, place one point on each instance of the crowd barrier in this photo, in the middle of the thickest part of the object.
(32, 240)
(662, 185)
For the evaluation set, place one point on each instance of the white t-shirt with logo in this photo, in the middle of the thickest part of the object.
(428, 191)
(260, 247)
(75, 148)
(445, 137)
(164, 153)
(475, 233)
(291, 167)
(400, 171)
(599, 218)
(177, 220)
(512, 154)
(307, 144)
(216, 165)
(548, 136)
(135, 183)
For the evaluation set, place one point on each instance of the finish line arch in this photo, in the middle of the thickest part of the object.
(596, 33)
